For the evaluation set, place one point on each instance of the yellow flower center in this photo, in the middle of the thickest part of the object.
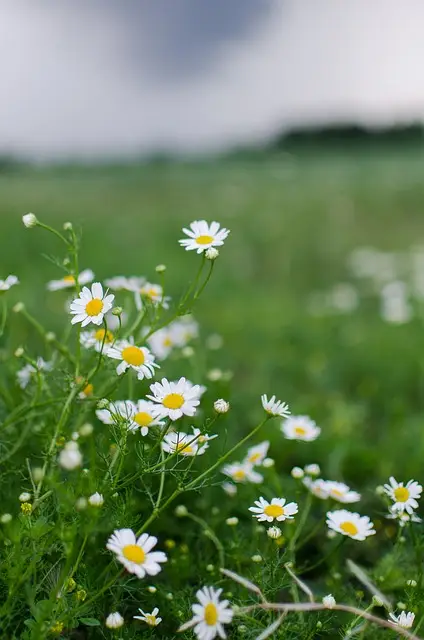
(184, 447)
(133, 356)
(151, 620)
(337, 493)
(100, 334)
(88, 390)
(69, 279)
(254, 457)
(401, 494)
(211, 614)
(173, 401)
(204, 239)
(349, 528)
(239, 475)
(300, 431)
(274, 510)
(134, 553)
(150, 293)
(167, 342)
(94, 307)
(143, 419)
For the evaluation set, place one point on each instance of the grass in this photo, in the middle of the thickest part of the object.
(293, 221)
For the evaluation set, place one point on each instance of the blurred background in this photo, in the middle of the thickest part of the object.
(295, 123)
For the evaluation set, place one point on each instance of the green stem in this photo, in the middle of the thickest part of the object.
(209, 532)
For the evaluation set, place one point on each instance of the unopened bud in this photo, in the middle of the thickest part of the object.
(19, 352)
(160, 268)
(221, 406)
(19, 306)
(211, 253)
(67, 226)
(29, 220)
(117, 311)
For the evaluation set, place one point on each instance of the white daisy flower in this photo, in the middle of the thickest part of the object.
(114, 412)
(138, 358)
(202, 235)
(136, 553)
(153, 293)
(10, 281)
(95, 339)
(210, 615)
(403, 517)
(114, 620)
(202, 439)
(91, 306)
(68, 282)
(70, 457)
(122, 283)
(161, 342)
(350, 524)
(151, 619)
(183, 443)
(28, 372)
(175, 399)
(405, 620)
(137, 415)
(341, 492)
(317, 487)
(404, 497)
(300, 428)
(275, 407)
(277, 509)
(257, 454)
(242, 472)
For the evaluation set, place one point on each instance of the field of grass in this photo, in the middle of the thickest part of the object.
(293, 222)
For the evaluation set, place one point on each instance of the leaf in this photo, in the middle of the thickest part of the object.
(90, 622)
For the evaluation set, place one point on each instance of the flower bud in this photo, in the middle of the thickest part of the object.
(19, 306)
(67, 226)
(312, 469)
(5, 518)
(232, 522)
(29, 220)
(297, 473)
(117, 311)
(181, 511)
(114, 620)
(50, 336)
(268, 463)
(221, 406)
(160, 268)
(211, 253)
(96, 500)
(86, 429)
(329, 601)
(25, 497)
(257, 558)
(19, 352)
(274, 533)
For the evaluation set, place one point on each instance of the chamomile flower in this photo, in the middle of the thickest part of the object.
(138, 358)
(202, 439)
(202, 236)
(29, 371)
(275, 407)
(161, 342)
(242, 472)
(151, 619)
(91, 306)
(95, 339)
(341, 492)
(229, 488)
(68, 282)
(175, 399)
(210, 615)
(114, 412)
(136, 553)
(350, 524)
(10, 281)
(277, 509)
(404, 496)
(317, 487)
(142, 416)
(404, 620)
(257, 454)
(402, 517)
(183, 443)
(122, 283)
(153, 293)
(300, 428)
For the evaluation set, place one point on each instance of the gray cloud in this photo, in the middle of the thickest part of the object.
(84, 79)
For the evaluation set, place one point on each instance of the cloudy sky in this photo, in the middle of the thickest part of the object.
(114, 77)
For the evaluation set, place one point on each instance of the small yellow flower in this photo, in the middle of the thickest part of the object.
(26, 508)
(70, 585)
(60, 441)
(57, 628)
(81, 595)
(170, 544)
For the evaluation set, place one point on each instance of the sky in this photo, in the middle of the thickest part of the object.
(101, 78)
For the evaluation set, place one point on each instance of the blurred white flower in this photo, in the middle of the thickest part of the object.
(68, 282)
(70, 457)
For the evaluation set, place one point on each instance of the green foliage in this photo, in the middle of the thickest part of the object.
(293, 221)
